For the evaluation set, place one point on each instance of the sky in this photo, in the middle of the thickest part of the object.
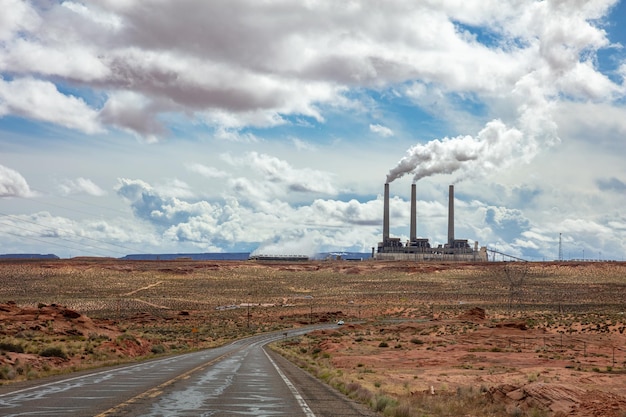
(271, 127)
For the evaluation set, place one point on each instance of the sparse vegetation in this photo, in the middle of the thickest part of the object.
(570, 313)
(11, 346)
(53, 352)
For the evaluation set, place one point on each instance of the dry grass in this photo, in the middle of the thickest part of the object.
(173, 306)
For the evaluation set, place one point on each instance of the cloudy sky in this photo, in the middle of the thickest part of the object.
(174, 126)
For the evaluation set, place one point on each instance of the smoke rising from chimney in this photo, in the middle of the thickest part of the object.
(495, 146)
(491, 148)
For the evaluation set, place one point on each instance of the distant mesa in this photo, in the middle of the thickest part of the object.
(217, 256)
(221, 256)
(290, 258)
(244, 256)
(28, 256)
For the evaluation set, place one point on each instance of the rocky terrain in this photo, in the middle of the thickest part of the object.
(38, 340)
(418, 339)
(534, 370)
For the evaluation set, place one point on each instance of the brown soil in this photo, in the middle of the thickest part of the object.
(567, 375)
(556, 343)
(60, 325)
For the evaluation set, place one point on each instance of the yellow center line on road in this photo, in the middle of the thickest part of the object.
(158, 390)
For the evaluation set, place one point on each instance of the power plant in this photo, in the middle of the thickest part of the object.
(419, 249)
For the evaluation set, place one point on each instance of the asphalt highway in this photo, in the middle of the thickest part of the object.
(239, 379)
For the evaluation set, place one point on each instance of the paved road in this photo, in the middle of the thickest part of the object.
(239, 379)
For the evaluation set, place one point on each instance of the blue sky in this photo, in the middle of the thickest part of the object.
(185, 126)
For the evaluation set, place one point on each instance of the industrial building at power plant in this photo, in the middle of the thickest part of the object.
(419, 249)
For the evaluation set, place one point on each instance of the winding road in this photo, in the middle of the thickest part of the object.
(239, 379)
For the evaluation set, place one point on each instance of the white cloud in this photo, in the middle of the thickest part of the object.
(175, 188)
(13, 184)
(16, 16)
(222, 224)
(129, 111)
(279, 172)
(80, 186)
(69, 61)
(516, 93)
(40, 100)
(95, 15)
(252, 63)
(303, 145)
(207, 171)
(113, 237)
(234, 135)
(381, 130)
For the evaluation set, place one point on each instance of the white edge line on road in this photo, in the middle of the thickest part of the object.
(292, 388)
(75, 378)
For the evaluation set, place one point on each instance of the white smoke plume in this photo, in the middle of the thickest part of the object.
(496, 146)
(493, 147)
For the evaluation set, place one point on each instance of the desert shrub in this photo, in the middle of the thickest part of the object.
(358, 392)
(12, 347)
(382, 402)
(417, 341)
(129, 337)
(53, 352)
(535, 412)
(464, 401)
(383, 344)
(402, 410)
(325, 375)
(158, 349)
(23, 369)
(98, 337)
(6, 373)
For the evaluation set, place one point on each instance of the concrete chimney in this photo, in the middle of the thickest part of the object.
(413, 235)
(451, 215)
(386, 214)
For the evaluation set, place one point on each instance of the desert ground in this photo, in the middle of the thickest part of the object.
(418, 339)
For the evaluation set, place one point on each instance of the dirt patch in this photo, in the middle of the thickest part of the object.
(51, 338)
(440, 333)
(51, 319)
(528, 370)
(560, 399)
(475, 314)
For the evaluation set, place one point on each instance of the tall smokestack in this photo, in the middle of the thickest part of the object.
(451, 215)
(413, 213)
(386, 214)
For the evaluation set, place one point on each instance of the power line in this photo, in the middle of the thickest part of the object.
(59, 231)
(68, 231)
(54, 243)
(74, 209)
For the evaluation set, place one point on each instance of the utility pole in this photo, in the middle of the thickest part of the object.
(560, 248)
